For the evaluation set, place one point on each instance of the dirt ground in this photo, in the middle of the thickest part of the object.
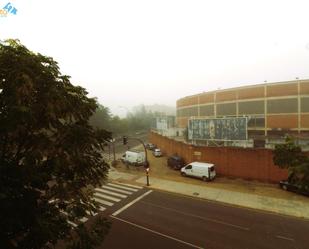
(159, 169)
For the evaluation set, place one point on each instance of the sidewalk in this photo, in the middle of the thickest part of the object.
(297, 208)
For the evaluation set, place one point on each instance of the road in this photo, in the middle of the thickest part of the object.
(162, 220)
(120, 148)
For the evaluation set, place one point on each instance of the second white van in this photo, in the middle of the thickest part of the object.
(205, 171)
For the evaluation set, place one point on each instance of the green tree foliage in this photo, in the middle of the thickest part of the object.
(102, 118)
(49, 154)
(291, 157)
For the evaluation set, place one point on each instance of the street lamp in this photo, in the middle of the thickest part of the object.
(147, 175)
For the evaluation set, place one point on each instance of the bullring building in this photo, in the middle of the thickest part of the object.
(271, 111)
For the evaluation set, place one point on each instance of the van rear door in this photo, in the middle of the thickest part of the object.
(212, 172)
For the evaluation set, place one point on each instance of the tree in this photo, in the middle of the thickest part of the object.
(49, 154)
(101, 118)
(290, 156)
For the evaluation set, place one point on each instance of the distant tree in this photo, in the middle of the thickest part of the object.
(141, 119)
(138, 120)
(49, 154)
(290, 156)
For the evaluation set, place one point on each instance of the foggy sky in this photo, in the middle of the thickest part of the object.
(131, 52)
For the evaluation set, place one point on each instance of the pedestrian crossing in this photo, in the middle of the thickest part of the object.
(106, 196)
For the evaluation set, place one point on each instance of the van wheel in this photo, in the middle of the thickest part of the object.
(204, 178)
(183, 173)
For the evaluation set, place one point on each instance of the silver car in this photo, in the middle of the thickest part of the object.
(157, 153)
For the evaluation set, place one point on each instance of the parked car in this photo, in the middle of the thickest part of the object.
(134, 157)
(157, 152)
(150, 146)
(205, 171)
(294, 187)
(175, 162)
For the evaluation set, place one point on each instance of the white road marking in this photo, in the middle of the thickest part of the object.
(103, 202)
(122, 187)
(285, 238)
(110, 192)
(131, 203)
(129, 185)
(158, 233)
(107, 197)
(102, 208)
(200, 217)
(118, 190)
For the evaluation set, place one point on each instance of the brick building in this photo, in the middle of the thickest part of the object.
(273, 110)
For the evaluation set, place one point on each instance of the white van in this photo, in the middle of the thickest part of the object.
(205, 171)
(133, 157)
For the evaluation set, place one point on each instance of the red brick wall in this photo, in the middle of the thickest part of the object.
(253, 164)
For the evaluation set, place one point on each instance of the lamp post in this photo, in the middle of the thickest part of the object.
(147, 175)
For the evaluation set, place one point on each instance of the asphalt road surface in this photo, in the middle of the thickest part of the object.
(153, 219)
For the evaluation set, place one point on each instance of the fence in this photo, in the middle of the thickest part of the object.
(246, 163)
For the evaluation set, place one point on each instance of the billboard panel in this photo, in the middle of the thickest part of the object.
(226, 129)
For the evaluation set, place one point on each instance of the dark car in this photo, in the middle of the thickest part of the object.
(150, 146)
(175, 162)
(294, 187)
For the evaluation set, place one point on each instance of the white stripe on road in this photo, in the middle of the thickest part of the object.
(158, 233)
(102, 208)
(285, 238)
(122, 187)
(131, 203)
(129, 185)
(107, 197)
(199, 217)
(103, 202)
(110, 192)
(118, 190)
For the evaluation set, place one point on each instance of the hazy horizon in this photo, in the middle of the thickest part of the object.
(128, 53)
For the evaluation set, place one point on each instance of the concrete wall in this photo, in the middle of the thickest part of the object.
(253, 164)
